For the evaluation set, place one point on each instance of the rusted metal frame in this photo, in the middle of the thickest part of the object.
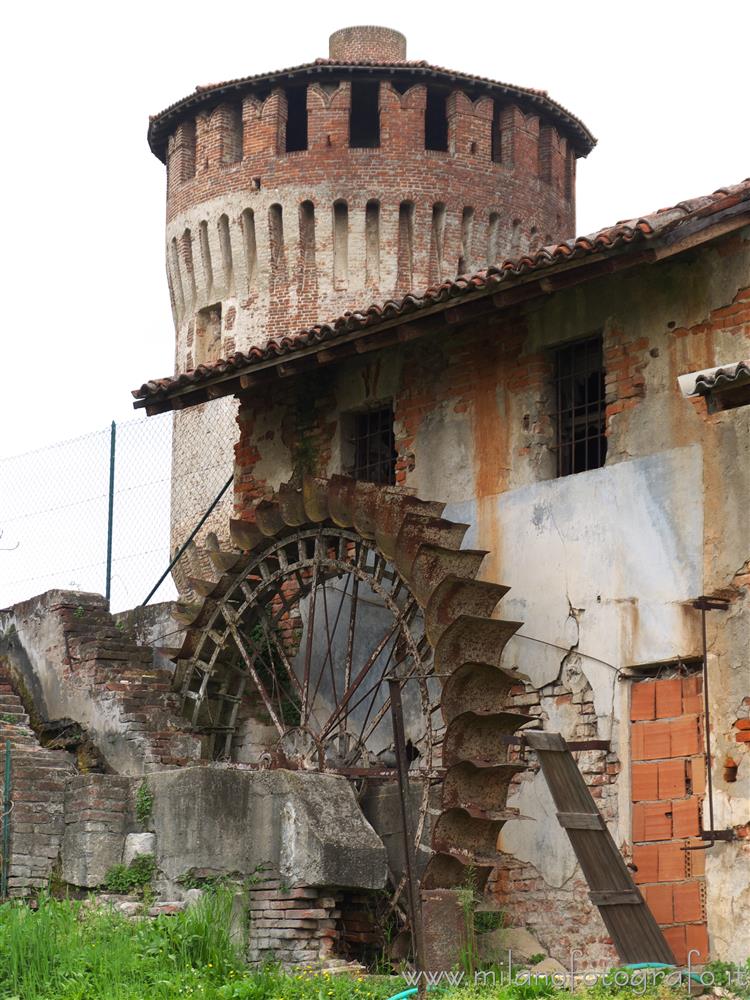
(366, 668)
(397, 716)
(704, 604)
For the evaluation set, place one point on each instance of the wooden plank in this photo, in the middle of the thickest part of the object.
(545, 741)
(581, 821)
(613, 897)
(631, 925)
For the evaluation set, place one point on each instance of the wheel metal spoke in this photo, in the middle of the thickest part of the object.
(355, 684)
(250, 664)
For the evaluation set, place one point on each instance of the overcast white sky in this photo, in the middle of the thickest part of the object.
(661, 83)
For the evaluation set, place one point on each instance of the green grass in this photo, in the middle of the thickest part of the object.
(66, 950)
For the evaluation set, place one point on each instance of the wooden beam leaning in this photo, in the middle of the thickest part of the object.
(631, 925)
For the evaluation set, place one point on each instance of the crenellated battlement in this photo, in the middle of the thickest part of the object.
(294, 197)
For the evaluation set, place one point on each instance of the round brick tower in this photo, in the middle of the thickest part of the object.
(294, 196)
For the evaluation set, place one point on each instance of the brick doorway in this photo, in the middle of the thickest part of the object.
(668, 770)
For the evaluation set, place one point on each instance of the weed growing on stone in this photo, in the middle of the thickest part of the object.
(144, 803)
(136, 875)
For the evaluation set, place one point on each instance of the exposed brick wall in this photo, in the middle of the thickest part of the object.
(292, 926)
(38, 778)
(521, 890)
(367, 43)
(668, 776)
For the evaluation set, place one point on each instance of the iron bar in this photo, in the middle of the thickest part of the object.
(111, 508)
(399, 740)
(350, 643)
(191, 536)
(704, 604)
(6, 825)
(372, 659)
(309, 647)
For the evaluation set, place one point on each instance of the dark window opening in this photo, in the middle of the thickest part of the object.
(435, 122)
(374, 446)
(580, 402)
(364, 117)
(296, 119)
(497, 137)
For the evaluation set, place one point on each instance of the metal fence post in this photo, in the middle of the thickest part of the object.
(110, 515)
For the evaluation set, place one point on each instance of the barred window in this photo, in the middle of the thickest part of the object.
(579, 380)
(374, 446)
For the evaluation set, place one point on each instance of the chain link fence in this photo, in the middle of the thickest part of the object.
(110, 509)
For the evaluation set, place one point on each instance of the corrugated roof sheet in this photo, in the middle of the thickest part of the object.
(721, 378)
(698, 211)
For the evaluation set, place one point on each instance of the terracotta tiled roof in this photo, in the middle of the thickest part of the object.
(161, 124)
(696, 213)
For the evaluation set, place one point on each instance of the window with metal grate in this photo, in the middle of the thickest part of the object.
(580, 401)
(374, 446)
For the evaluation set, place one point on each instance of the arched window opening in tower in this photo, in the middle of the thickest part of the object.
(225, 243)
(276, 236)
(247, 221)
(231, 124)
(546, 148)
(436, 121)
(570, 172)
(186, 253)
(208, 270)
(296, 119)
(185, 151)
(372, 243)
(179, 293)
(438, 238)
(493, 239)
(465, 261)
(515, 238)
(208, 335)
(364, 115)
(340, 244)
(405, 245)
(497, 134)
(307, 236)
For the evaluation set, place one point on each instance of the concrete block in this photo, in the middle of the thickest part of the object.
(137, 844)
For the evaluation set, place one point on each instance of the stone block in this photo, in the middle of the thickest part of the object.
(137, 844)
(87, 857)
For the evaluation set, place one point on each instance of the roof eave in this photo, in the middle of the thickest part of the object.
(159, 124)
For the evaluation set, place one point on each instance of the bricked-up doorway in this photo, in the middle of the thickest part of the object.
(668, 769)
